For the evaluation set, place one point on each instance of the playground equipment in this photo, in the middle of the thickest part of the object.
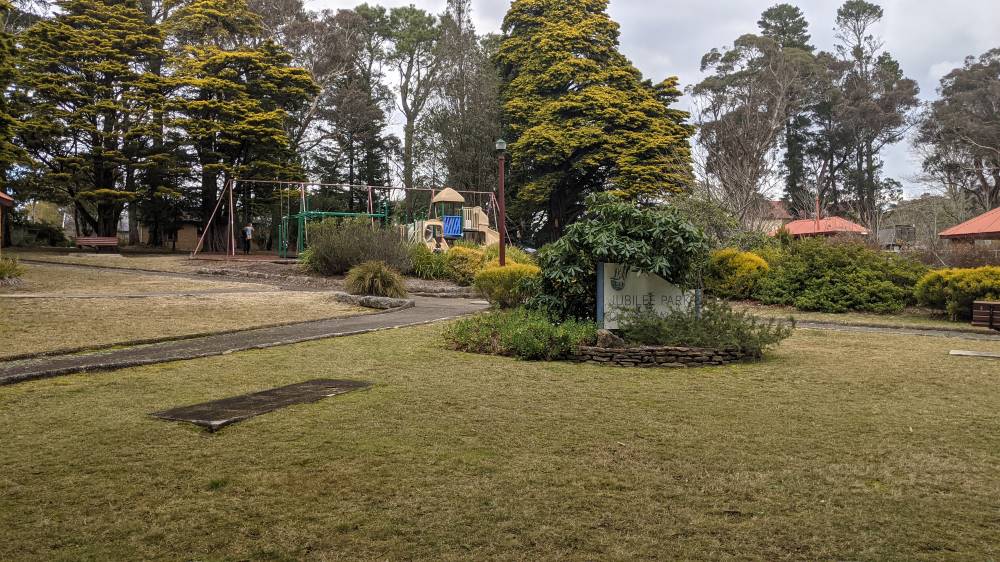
(450, 220)
(447, 218)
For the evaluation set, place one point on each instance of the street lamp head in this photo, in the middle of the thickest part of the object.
(501, 145)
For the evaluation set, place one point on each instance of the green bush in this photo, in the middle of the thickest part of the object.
(717, 326)
(337, 245)
(462, 263)
(428, 264)
(734, 274)
(839, 276)
(519, 332)
(955, 290)
(377, 279)
(648, 239)
(509, 286)
(10, 268)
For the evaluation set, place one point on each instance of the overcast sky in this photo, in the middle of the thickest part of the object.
(668, 37)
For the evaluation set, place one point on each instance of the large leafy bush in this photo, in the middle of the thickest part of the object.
(955, 290)
(462, 263)
(337, 245)
(509, 286)
(528, 334)
(649, 239)
(839, 276)
(428, 264)
(734, 274)
(377, 279)
(716, 326)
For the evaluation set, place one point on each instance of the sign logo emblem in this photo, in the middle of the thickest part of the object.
(618, 276)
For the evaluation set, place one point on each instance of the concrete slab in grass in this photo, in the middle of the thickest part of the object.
(217, 414)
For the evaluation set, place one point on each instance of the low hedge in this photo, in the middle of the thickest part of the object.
(734, 274)
(523, 333)
(508, 286)
(715, 326)
(839, 276)
(463, 263)
(954, 290)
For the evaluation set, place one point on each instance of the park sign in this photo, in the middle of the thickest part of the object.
(622, 289)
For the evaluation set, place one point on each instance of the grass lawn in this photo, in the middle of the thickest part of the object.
(841, 446)
(910, 318)
(51, 324)
(177, 263)
(81, 281)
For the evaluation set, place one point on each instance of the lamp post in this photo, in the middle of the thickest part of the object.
(502, 218)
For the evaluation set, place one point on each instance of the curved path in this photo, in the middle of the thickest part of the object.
(424, 311)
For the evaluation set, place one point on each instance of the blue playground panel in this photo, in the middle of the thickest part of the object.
(452, 226)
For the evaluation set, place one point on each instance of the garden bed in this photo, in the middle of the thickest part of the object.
(659, 356)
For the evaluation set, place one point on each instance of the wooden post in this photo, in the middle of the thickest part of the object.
(232, 221)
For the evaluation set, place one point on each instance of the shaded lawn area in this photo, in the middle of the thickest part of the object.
(82, 281)
(908, 318)
(842, 446)
(177, 263)
(50, 324)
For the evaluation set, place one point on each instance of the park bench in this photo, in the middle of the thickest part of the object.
(986, 314)
(97, 241)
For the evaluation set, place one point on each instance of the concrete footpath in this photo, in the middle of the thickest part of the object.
(426, 310)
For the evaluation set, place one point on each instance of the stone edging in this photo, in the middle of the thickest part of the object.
(659, 356)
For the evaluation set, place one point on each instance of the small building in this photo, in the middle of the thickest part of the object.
(983, 230)
(776, 216)
(897, 237)
(829, 226)
(182, 236)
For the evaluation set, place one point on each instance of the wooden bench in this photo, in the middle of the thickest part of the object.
(986, 314)
(97, 241)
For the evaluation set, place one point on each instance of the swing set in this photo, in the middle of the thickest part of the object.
(471, 219)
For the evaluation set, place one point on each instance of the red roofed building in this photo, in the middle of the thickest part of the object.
(984, 227)
(829, 226)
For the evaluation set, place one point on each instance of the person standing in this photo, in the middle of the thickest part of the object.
(247, 238)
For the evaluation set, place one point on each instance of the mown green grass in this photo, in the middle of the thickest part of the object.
(841, 446)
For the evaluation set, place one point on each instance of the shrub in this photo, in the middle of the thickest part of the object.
(955, 290)
(648, 239)
(519, 332)
(509, 286)
(428, 264)
(734, 274)
(377, 279)
(462, 263)
(337, 245)
(10, 268)
(839, 276)
(513, 255)
(717, 326)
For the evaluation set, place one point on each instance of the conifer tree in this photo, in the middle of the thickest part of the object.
(581, 117)
(84, 87)
(232, 99)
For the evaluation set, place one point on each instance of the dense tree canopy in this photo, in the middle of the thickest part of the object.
(581, 118)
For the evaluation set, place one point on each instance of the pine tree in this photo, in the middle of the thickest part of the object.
(581, 118)
(787, 25)
(233, 95)
(85, 89)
